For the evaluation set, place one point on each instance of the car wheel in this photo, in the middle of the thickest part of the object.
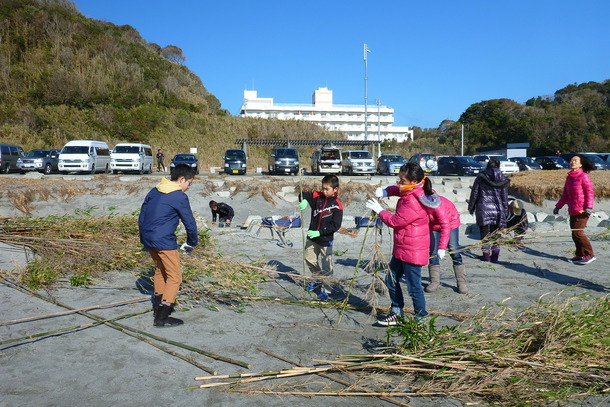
(141, 171)
(7, 169)
(47, 169)
(92, 168)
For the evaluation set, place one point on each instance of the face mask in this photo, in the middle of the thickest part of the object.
(405, 189)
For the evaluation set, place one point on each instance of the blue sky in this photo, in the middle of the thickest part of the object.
(430, 60)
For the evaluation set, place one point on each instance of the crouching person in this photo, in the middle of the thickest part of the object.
(162, 209)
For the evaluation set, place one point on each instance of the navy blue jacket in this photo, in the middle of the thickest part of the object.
(159, 219)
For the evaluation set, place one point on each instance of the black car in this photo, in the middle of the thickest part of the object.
(459, 165)
(526, 163)
(552, 162)
(188, 159)
(599, 163)
(236, 161)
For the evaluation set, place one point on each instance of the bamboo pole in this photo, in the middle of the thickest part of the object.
(121, 327)
(59, 314)
(336, 379)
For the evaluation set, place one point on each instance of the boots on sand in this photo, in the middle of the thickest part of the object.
(162, 319)
(435, 277)
(460, 277)
(495, 253)
(486, 254)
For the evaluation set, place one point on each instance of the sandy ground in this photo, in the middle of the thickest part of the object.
(99, 366)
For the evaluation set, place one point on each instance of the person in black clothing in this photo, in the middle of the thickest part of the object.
(326, 218)
(160, 164)
(517, 219)
(224, 213)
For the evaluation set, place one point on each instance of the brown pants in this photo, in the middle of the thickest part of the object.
(168, 274)
(578, 224)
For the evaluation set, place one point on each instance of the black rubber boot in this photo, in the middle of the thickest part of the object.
(156, 301)
(163, 319)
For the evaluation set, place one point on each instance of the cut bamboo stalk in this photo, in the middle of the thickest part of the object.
(58, 314)
(120, 327)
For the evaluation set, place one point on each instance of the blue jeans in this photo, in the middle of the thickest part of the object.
(453, 245)
(411, 274)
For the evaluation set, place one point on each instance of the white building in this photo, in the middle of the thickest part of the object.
(348, 119)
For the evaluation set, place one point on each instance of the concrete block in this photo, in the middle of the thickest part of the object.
(542, 227)
(33, 175)
(288, 189)
(466, 218)
(281, 194)
(541, 216)
(601, 215)
(232, 189)
(593, 221)
(291, 198)
(223, 194)
(530, 217)
(604, 224)
(250, 219)
(259, 170)
(462, 207)
(473, 229)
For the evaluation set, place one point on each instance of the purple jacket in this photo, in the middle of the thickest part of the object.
(577, 192)
(489, 198)
(411, 232)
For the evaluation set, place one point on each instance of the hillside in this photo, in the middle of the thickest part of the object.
(64, 76)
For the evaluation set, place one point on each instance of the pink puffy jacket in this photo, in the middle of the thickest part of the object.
(411, 232)
(577, 192)
(442, 213)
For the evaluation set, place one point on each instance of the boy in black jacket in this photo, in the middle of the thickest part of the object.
(224, 213)
(326, 218)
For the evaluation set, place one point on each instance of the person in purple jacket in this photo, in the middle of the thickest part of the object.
(411, 244)
(578, 194)
(163, 208)
(489, 199)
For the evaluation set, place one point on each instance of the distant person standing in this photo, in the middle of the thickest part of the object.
(579, 195)
(160, 164)
(557, 153)
(489, 199)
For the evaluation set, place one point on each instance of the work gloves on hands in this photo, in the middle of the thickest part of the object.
(303, 204)
(381, 193)
(588, 211)
(186, 248)
(441, 253)
(312, 234)
(373, 205)
(556, 211)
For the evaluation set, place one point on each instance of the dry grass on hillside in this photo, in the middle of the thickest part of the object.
(536, 186)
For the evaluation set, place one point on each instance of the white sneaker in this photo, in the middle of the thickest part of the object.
(389, 320)
(585, 260)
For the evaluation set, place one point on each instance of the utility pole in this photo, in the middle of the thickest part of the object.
(366, 93)
(378, 127)
(462, 139)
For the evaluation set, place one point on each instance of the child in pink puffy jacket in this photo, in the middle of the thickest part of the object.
(578, 194)
(411, 244)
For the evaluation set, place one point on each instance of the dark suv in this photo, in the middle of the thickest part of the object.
(459, 165)
(9, 154)
(284, 161)
(552, 162)
(526, 163)
(45, 161)
(235, 162)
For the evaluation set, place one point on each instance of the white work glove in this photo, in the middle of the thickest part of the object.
(186, 248)
(441, 253)
(373, 205)
(381, 193)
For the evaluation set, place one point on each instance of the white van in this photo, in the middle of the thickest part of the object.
(131, 157)
(357, 162)
(84, 156)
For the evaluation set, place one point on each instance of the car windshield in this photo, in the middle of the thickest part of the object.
(466, 160)
(594, 158)
(235, 155)
(286, 152)
(37, 154)
(394, 158)
(528, 160)
(559, 160)
(75, 150)
(126, 149)
(499, 157)
(185, 157)
(329, 155)
(360, 154)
